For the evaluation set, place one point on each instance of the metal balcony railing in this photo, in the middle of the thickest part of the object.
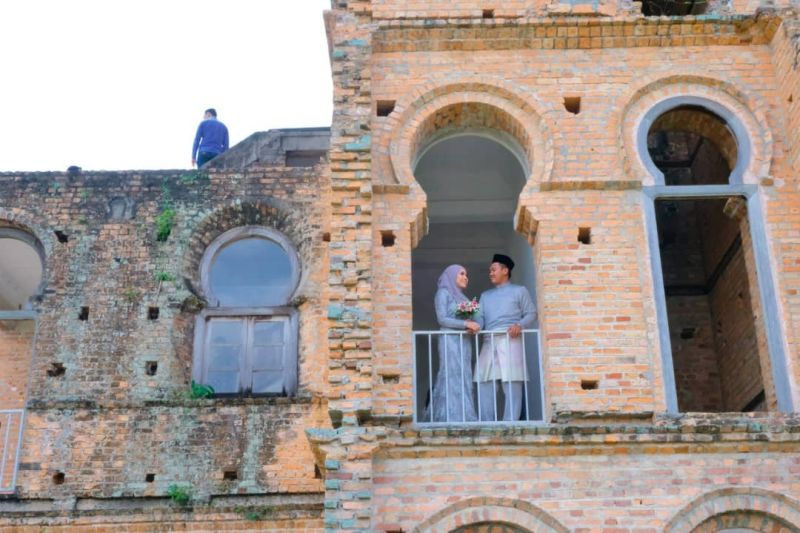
(447, 393)
(11, 424)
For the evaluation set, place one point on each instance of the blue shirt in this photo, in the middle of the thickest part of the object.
(504, 306)
(212, 136)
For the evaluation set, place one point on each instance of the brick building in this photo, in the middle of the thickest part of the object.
(639, 161)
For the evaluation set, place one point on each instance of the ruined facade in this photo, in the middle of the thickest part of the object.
(640, 162)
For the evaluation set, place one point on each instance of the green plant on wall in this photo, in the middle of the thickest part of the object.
(180, 495)
(164, 222)
(165, 219)
(198, 391)
(162, 276)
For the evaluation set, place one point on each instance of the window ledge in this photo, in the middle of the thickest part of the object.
(43, 405)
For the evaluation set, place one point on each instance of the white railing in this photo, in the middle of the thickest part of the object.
(446, 391)
(11, 424)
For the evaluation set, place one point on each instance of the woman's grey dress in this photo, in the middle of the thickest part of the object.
(452, 399)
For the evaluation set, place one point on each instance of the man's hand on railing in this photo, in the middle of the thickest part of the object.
(515, 330)
(472, 327)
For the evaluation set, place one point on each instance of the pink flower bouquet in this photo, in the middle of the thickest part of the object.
(468, 309)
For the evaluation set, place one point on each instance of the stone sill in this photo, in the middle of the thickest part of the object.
(686, 428)
(283, 505)
(45, 405)
(562, 19)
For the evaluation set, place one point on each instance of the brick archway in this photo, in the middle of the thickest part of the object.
(744, 521)
(736, 507)
(288, 220)
(23, 221)
(513, 515)
(745, 113)
(480, 103)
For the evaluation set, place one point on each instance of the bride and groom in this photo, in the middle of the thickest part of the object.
(504, 311)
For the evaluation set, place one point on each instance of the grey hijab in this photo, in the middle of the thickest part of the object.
(447, 281)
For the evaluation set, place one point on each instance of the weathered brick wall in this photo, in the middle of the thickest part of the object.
(108, 453)
(104, 423)
(694, 357)
(785, 47)
(16, 344)
(736, 339)
(585, 479)
(783, 200)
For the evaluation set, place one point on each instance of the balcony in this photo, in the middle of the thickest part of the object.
(11, 423)
(445, 390)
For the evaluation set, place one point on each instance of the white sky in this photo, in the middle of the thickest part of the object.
(122, 84)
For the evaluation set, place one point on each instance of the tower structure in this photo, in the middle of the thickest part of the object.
(639, 161)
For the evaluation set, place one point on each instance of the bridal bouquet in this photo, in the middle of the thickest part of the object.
(468, 309)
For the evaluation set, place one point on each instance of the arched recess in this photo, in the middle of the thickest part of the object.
(745, 115)
(479, 510)
(730, 507)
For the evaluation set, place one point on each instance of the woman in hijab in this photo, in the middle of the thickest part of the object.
(452, 398)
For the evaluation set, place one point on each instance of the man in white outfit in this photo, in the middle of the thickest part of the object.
(506, 308)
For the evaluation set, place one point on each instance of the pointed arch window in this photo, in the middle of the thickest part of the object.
(246, 339)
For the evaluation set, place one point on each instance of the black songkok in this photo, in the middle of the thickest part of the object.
(503, 260)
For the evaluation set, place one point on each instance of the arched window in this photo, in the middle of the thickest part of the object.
(21, 269)
(246, 339)
(720, 338)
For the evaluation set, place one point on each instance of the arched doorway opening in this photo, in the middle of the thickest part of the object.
(718, 339)
(472, 179)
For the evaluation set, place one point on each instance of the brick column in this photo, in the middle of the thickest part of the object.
(350, 305)
(347, 451)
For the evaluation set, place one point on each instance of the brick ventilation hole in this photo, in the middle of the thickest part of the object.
(326, 237)
(58, 478)
(149, 478)
(572, 104)
(84, 313)
(589, 384)
(61, 236)
(585, 235)
(150, 368)
(317, 472)
(56, 370)
(152, 313)
(387, 238)
(790, 99)
(488, 13)
(385, 108)
(390, 379)
(687, 333)
(230, 475)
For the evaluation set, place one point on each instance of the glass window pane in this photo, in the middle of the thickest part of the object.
(251, 272)
(268, 358)
(224, 357)
(268, 382)
(223, 382)
(225, 331)
(268, 333)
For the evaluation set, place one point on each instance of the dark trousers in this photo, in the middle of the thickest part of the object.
(205, 157)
